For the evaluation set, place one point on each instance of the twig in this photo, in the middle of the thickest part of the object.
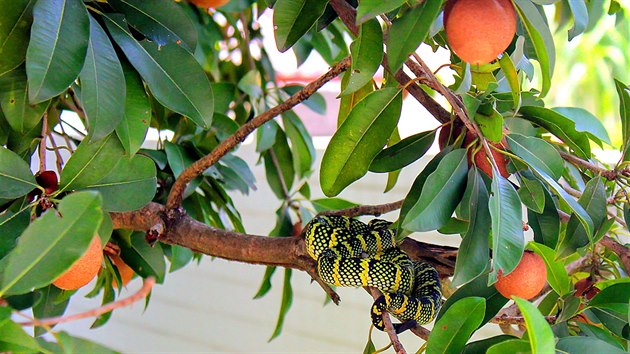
(327, 289)
(194, 170)
(141, 294)
(620, 250)
(359, 210)
(610, 175)
(517, 320)
(387, 323)
(42, 144)
(421, 332)
(58, 158)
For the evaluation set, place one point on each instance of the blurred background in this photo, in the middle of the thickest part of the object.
(209, 307)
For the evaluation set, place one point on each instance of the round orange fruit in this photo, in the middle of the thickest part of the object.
(481, 157)
(526, 280)
(84, 269)
(209, 3)
(126, 273)
(479, 30)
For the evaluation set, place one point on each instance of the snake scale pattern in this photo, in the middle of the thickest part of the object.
(351, 253)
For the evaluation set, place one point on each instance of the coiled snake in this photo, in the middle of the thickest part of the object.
(352, 253)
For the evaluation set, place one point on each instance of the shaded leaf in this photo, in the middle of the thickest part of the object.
(279, 166)
(137, 115)
(624, 113)
(15, 26)
(532, 194)
(14, 339)
(482, 346)
(368, 9)
(586, 345)
(143, 259)
(293, 18)
(537, 152)
(510, 346)
(16, 178)
(403, 153)
(302, 147)
(457, 324)
(56, 51)
(20, 115)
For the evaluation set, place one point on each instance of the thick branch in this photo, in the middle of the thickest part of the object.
(610, 175)
(620, 250)
(358, 210)
(387, 323)
(194, 170)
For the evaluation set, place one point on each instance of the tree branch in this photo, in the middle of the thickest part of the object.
(387, 323)
(175, 196)
(610, 175)
(620, 250)
(358, 210)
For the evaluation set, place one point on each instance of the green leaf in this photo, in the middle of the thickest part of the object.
(369, 346)
(137, 116)
(507, 227)
(163, 22)
(16, 178)
(586, 122)
(285, 304)
(600, 333)
(477, 287)
(102, 84)
(302, 147)
(580, 18)
(440, 194)
(511, 75)
(143, 259)
(490, 122)
(511, 346)
(474, 256)
(457, 324)
(52, 304)
(293, 18)
(52, 243)
(624, 113)
(56, 51)
(546, 225)
(368, 9)
(20, 115)
(586, 345)
(403, 153)
(560, 126)
(614, 297)
(557, 275)
(13, 338)
(359, 139)
(11, 227)
(537, 152)
(265, 285)
(348, 101)
(15, 26)
(172, 74)
(324, 204)
(70, 344)
(539, 332)
(482, 346)
(367, 55)
(409, 30)
(541, 38)
(532, 194)
(594, 201)
(316, 102)
(279, 162)
(180, 257)
(90, 162)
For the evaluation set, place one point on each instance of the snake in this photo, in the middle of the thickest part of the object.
(352, 253)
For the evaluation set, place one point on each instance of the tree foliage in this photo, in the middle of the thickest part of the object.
(127, 66)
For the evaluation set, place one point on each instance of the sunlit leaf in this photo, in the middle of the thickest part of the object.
(452, 331)
(367, 54)
(15, 27)
(293, 18)
(556, 273)
(539, 332)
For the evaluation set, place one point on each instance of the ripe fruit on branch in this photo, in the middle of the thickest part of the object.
(209, 3)
(479, 30)
(84, 269)
(126, 273)
(481, 157)
(48, 180)
(526, 280)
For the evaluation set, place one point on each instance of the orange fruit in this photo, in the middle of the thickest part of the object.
(481, 157)
(126, 273)
(479, 30)
(526, 280)
(84, 269)
(209, 3)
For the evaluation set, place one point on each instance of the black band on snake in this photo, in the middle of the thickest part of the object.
(352, 253)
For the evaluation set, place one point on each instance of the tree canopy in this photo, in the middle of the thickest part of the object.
(509, 164)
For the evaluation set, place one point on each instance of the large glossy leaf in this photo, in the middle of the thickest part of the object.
(133, 128)
(481, 346)
(293, 18)
(614, 297)
(586, 345)
(586, 122)
(14, 338)
(541, 38)
(474, 256)
(12, 224)
(532, 194)
(52, 243)
(142, 258)
(368, 9)
(440, 194)
(409, 30)
(52, 304)
(15, 26)
(546, 225)
(560, 126)
(347, 102)
(477, 287)
(102, 84)
(511, 75)
(16, 178)
(457, 324)
(594, 201)
(507, 227)
(510, 346)
(359, 139)
(20, 115)
(56, 51)
(172, 74)
(285, 304)
(539, 332)
(557, 275)
(367, 54)
(161, 21)
(537, 152)
(403, 153)
(623, 91)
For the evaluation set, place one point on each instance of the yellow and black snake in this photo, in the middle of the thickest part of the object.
(352, 253)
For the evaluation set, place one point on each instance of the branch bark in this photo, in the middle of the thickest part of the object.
(175, 196)
(620, 250)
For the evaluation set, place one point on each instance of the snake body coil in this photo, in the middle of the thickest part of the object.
(352, 253)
